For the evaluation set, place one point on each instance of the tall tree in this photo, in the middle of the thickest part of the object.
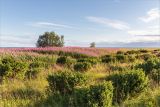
(93, 45)
(49, 39)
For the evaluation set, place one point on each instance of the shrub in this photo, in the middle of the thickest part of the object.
(99, 95)
(120, 52)
(34, 69)
(156, 75)
(91, 60)
(82, 66)
(65, 82)
(149, 65)
(146, 56)
(117, 68)
(132, 52)
(121, 58)
(12, 68)
(65, 61)
(81, 97)
(143, 51)
(131, 58)
(108, 58)
(128, 84)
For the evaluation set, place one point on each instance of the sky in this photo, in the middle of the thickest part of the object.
(108, 23)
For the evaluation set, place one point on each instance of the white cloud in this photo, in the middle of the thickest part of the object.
(108, 22)
(48, 24)
(144, 32)
(10, 40)
(152, 14)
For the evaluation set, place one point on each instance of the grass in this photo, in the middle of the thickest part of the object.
(34, 93)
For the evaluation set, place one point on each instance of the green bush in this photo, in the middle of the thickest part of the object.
(65, 61)
(155, 75)
(121, 58)
(117, 68)
(91, 60)
(143, 51)
(146, 56)
(149, 65)
(81, 97)
(99, 95)
(82, 66)
(12, 68)
(131, 58)
(128, 84)
(65, 82)
(120, 52)
(108, 59)
(34, 69)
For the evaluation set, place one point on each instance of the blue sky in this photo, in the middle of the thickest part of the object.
(106, 22)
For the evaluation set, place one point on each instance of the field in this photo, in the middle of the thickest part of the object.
(79, 77)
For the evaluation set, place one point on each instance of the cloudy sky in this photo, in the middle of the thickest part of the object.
(109, 23)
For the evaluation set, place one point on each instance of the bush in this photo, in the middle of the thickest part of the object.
(65, 82)
(131, 58)
(156, 75)
(91, 60)
(146, 56)
(121, 58)
(65, 61)
(81, 97)
(99, 95)
(12, 68)
(82, 66)
(128, 84)
(149, 65)
(132, 52)
(34, 69)
(108, 58)
(143, 51)
(120, 52)
(117, 68)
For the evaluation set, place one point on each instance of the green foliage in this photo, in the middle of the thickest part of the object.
(155, 75)
(34, 69)
(149, 65)
(91, 60)
(117, 68)
(99, 95)
(132, 52)
(65, 82)
(82, 66)
(121, 58)
(128, 84)
(92, 45)
(49, 39)
(120, 52)
(63, 60)
(12, 68)
(108, 58)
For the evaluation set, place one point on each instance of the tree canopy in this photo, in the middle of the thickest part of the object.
(49, 39)
(93, 45)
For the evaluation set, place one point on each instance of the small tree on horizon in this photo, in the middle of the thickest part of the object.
(92, 45)
(50, 39)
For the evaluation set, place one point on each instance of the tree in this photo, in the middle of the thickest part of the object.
(93, 45)
(49, 39)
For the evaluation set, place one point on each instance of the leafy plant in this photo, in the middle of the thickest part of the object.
(64, 82)
(82, 66)
(128, 84)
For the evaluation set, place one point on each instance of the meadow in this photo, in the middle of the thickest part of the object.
(79, 77)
